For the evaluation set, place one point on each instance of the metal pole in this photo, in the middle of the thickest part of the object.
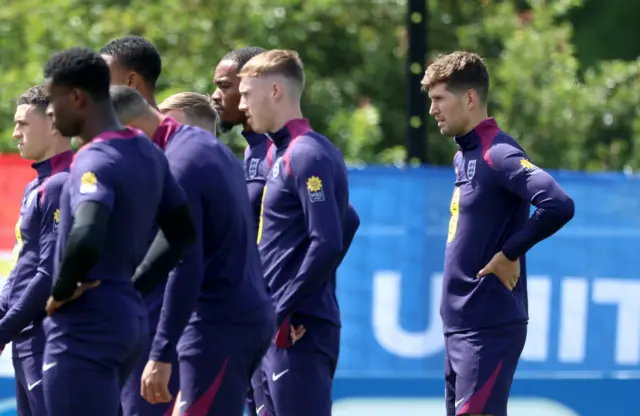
(417, 16)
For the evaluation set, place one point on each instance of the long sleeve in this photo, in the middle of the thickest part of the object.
(554, 208)
(176, 234)
(351, 225)
(33, 300)
(4, 295)
(92, 196)
(185, 281)
(313, 181)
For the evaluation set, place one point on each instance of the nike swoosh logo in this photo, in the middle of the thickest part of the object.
(259, 409)
(459, 401)
(31, 386)
(48, 366)
(275, 376)
(182, 404)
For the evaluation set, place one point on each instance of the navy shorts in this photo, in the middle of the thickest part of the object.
(216, 364)
(479, 369)
(299, 380)
(86, 364)
(29, 394)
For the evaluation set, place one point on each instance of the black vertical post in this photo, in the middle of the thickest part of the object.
(417, 16)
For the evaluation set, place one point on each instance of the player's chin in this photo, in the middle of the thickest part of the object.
(67, 130)
(24, 153)
(445, 131)
(256, 127)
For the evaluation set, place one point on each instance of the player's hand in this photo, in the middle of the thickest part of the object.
(53, 305)
(154, 386)
(507, 271)
(295, 333)
(289, 334)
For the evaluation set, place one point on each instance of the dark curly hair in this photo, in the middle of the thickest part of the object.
(243, 55)
(81, 68)
(136, 54)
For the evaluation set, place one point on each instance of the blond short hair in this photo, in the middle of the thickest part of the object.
(197, 108)
(286, 63)
(459, 70)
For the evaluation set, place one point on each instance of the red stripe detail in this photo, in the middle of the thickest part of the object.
(61, 161)
(487, 130)
(269, 145)
(41, 189)
(282, 336)
(169, 411)
(287, 156)
(270, 154)
(201, 406)
(298, 127)
(165, 130)
(478, 401)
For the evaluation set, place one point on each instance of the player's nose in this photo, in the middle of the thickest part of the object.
(17, 134)
(216, 97)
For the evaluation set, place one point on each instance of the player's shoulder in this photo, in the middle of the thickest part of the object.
(313, 145)
(197, 149)
(33, 184)
(192, 140)
(314, 151)
(54, 183)
(503, 147)
(96, 155)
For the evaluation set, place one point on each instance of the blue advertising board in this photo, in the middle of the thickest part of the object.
(584, 289)
(582, 356)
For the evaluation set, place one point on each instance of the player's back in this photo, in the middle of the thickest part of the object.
(285, 234)
(233, 288)
(130, 168)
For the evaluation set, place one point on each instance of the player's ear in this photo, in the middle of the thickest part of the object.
(471, 98)
(276, 91)
(78, 98)
(133, 80)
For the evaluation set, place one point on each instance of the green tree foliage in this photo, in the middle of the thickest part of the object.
(562, 119)
(349, 51)
(566, 114)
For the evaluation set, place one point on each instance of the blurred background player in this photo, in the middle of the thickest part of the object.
(484, 296)
(119, 190)
(220, 279)
(305, 224)
(135, 62)
(226, 99)
(25, 295)
(191, 108)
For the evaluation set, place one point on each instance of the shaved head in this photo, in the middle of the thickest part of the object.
(128, 103)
